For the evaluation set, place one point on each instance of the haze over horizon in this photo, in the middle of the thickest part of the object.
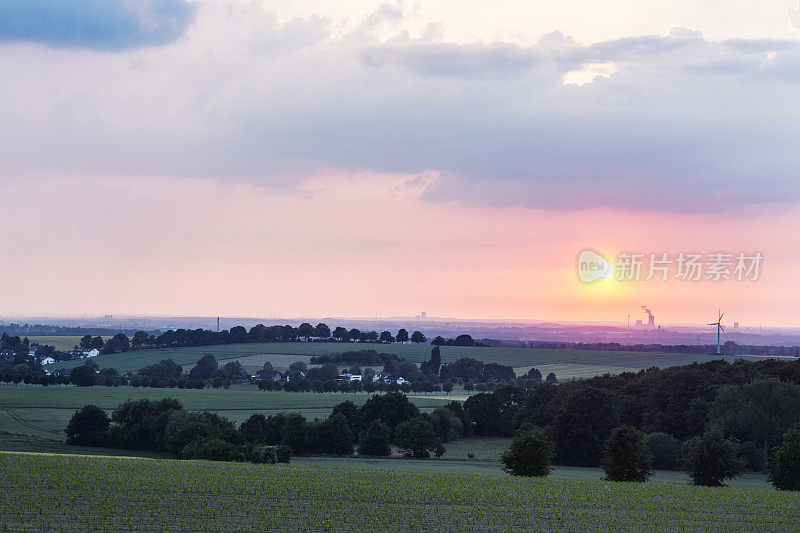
(315, 159)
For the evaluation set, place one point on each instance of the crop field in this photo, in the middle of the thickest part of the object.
(53, 493)
(43, 412)
(569, 363)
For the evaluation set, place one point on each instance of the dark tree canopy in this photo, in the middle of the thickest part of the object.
(417, 438)
(625, 456)
(88, 427)
(711, 459)
(530, 454)
(785, 471)
(375, 440)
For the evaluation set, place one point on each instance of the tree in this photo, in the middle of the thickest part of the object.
(140, 338)
(386, 337)
(350, 412)
(305, 330)
(86, 342)
(118, 343)
(530, 454)
(430, 368)
(581, 425)
(785, 471)
(447, 387)
(625, 456)
(551, 378)
(293, 432)
(256, 429)
(763, 410)
(166, 369)
(375, 440)
(354, 335)
(664, 449)
(402, 335)
(534, 374)
(332, 436)
(205, 368)
(322, 331)
(438, 341)
(83, 376)
(711, 459)
(417, 438)
(392, 408)
(88, 427)
(339, 333)
(417, 337)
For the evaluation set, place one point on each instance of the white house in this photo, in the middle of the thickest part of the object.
(47, 361)
(94, 352)
(401, 380)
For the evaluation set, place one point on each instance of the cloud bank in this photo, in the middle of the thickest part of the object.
(676, 122)
(103, 25)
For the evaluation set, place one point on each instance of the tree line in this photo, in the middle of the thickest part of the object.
(749, 405)
(165, 426)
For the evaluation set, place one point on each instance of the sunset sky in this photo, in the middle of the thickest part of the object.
(326, 159)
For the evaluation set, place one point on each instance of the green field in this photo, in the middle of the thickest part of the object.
(52, 493)
(564, 363)
(36, 412)
(63, 343)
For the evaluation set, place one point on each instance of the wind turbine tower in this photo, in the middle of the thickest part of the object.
(718, 323)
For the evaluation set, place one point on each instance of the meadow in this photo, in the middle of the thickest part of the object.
(52, 493)
(564, 363)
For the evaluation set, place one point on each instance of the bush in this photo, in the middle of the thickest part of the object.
(88, 427)
(665, 451)
(711, 459)
(215, 450)
(376, 440)
(530, 455)
(785, 471)
(265, 455)
(625, 456)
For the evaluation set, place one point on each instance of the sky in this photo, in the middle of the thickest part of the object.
(354, 159)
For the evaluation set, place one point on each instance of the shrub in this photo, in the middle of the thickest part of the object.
(665, 451)
(711, 459)
(216, 450)
(265, 455)
(785, 471)
(376, 440)
(530, 455)
(625, 456)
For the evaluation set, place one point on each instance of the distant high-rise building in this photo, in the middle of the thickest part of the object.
(423, 315)
(735, 325)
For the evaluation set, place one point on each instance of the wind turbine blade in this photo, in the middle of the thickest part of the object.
(720, 317)
(723, 329)
(713, 324)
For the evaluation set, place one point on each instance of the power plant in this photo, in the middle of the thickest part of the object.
(651, 318)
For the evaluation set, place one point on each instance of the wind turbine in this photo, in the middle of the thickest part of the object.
(718, 323)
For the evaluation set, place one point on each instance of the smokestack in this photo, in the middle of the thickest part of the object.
(651, 319)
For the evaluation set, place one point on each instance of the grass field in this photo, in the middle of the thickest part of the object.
(564, 363)
(50, 493)
(43, 412)
(62, 343)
